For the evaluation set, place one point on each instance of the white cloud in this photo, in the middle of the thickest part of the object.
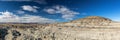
(10, 17)
(20, 12)
(30, 8)
(37, 1)
(36, 7)
(66, 12)
(68, 17)
(50, 11)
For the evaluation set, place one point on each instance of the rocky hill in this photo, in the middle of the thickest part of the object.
(91, 21)
(88, 28)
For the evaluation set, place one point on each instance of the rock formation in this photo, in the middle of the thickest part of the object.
(89, 28)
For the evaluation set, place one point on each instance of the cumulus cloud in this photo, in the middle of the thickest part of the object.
(37, 1)
(66, 12)
(30, 8)
(10, 17)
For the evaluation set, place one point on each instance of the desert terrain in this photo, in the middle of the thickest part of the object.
(88, 28)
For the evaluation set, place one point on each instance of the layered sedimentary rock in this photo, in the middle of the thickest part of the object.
(89, 28)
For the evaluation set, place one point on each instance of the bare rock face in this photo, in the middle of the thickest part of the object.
(89, 28)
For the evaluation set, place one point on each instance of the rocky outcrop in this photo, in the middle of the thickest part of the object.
(89, 28)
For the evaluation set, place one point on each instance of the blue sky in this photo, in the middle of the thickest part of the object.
(50, 11)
